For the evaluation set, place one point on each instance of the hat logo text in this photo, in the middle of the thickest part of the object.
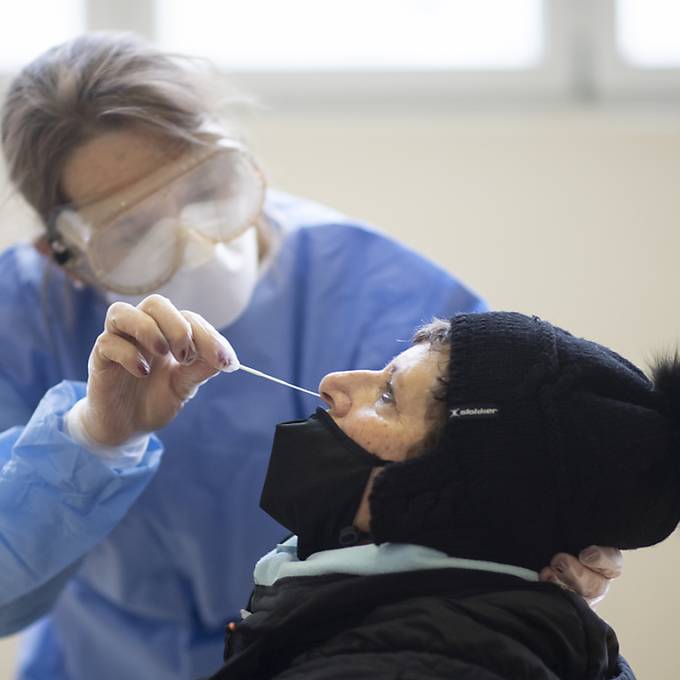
(474, 412)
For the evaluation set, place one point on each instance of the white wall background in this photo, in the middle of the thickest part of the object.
(573, 215)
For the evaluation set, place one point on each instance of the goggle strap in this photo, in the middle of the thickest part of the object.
(60, 252)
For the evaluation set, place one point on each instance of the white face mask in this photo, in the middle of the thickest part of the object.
(215, 281)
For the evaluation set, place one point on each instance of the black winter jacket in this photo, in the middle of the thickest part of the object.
(443, 624)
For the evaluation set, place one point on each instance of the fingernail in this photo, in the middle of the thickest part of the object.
(161, 347)
(228, 360)
(143, 367)
(223, 359)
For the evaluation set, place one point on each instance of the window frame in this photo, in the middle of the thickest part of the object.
(616, 79)
(409, 89)
(581, 65)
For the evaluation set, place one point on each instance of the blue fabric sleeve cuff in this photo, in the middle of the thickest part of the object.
(57, 500)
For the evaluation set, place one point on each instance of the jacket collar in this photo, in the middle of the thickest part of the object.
(369, 559)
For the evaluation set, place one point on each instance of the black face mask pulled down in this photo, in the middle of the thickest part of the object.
(315, 481)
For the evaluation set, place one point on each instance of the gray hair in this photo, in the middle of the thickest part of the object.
(437, 334)
(91, 84)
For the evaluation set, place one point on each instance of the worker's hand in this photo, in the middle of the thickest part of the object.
(147, 363)
(589, 575)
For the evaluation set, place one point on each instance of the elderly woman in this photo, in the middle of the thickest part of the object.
(125, 566)
(414, 499)
(427, 498)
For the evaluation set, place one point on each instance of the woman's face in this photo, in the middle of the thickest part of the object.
(387, 412)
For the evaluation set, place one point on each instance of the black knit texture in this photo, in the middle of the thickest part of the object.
(583, 450)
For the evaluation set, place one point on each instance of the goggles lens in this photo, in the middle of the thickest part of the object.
(134, 239)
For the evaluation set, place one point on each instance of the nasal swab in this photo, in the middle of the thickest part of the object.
(252, 371)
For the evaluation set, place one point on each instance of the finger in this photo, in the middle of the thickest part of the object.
(589, 584)
(548, 575)
(605, 561)
(599, 596)
(212, 347)
(112, 349)
(173, 326)
(211, 358)
(125, 320)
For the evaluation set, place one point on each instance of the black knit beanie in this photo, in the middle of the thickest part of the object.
(552, 443)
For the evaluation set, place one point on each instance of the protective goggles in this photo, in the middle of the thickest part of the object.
(135, 240)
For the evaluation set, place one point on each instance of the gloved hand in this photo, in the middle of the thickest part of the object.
(147, 363)
(590, 575)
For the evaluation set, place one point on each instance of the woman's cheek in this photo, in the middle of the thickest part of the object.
(386, 443)
(376, 434)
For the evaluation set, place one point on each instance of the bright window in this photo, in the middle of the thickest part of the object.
(399, 52)
(29, 27)
(648, 32)
(355, 35)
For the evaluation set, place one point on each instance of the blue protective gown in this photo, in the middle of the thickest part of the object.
(133, 573)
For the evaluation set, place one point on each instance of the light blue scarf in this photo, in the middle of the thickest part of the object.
(369, 559)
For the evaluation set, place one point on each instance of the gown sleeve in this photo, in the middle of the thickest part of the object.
(57, 499)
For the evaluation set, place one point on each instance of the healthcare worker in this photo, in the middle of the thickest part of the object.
(122, 562)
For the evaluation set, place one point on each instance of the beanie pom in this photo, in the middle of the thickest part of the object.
(666, 378)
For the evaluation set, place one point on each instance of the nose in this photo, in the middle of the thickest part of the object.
(334, 391)
(341, 390)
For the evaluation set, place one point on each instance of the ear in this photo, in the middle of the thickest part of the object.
(42, 245)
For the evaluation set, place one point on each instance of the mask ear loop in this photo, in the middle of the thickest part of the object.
(259, 374)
